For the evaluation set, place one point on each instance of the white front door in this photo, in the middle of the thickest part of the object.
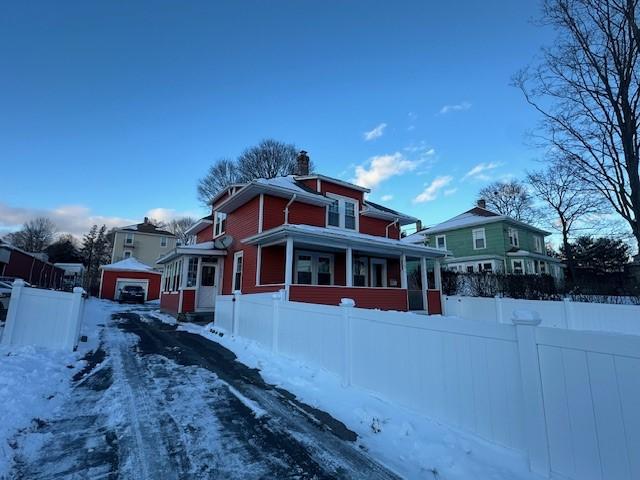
(207, 286)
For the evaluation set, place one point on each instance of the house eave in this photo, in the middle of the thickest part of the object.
(198, 226)
(253, 189)
(334, 180)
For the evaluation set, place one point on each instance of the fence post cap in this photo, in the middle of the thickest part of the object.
(347, 302)
(526, 317)
(277, 296)
(78, 290)
(237, 292)
(18, 282)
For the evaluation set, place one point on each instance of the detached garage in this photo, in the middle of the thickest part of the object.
(129, 272)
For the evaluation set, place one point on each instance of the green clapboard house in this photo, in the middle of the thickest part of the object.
(481, 240)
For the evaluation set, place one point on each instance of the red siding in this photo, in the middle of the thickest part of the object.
(434, 303)
(393, 272)
(205, 235)
(382, 298)
(242, 223)
(188, 301)
(312, 183)
(109, 279)
(326, 186)
(35, 271)
(169, 302)
(375, 226)
(273, 260)
(299, 213)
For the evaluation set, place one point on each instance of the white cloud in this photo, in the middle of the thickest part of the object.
(375, 133)
(477, 172)
(386, 198)
(380, 168)
(458, 107)
(74, 219)
(450, 191)
(168, 214)
(431, 192)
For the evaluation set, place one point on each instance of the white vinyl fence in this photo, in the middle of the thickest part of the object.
(44, 318)
(558, 314)
(567, 399)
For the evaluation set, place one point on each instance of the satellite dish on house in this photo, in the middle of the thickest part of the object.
(223, 242)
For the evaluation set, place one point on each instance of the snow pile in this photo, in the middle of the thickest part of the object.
(35, 381)
(406, 442)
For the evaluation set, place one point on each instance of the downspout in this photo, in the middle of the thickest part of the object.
(386, 229)
(286, 208)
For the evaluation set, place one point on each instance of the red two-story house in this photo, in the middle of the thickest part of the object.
(315, 237)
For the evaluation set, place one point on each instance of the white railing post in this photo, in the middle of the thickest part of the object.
(346, 304)
(77, 303)
(235, 319)
(534, 416)
(277, 298)
(12, 313)
(567, 310)
(499, 312)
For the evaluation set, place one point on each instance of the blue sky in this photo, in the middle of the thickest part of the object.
(112, 110)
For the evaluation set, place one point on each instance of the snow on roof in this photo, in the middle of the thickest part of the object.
(130, 264)
(475, 216)
(289, 182)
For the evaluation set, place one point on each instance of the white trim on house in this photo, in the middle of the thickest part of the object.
(477, 234)
(444, 237)
(236, 256)
(522, 266)
(342, 212)
(261, 213)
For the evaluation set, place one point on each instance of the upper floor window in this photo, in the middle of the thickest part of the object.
(342, 213)
(220, 223)
(537, 244)
(237, 271)
(163, 241)
(128, 239)
(513, 237)
(441, 242)
(479, 239)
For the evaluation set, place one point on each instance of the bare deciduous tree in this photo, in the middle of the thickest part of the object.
(269, 159)
(178, 226)
(509, 198)
(219, 176)
(587, 88)
(566, 200)
(34, 236)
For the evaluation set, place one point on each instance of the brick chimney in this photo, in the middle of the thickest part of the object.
(482, 203)
(146, 220)
(418, 225)
(302, 163)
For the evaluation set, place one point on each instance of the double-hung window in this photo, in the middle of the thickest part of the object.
(314, 268)
(441, 242)
(517, 266)
(237, 271)
(514, 241)
(360, 271)
(537, 244)
(479, 239)
(163, 241)
(192, 272)
(128, 239)
(342, 213)
(220, 221)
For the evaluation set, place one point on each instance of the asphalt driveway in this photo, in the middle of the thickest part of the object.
(155, 402)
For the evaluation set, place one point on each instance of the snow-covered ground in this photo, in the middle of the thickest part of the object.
(35, 382)
(406, 442)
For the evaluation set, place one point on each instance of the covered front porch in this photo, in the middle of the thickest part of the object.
(191, 279)
(319, 266)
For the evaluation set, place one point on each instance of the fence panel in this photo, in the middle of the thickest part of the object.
(255, 317)
(224, 312)
(591, 390)
(44, 318)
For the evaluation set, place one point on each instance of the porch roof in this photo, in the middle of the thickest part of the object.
(204, 249)
(339, 238)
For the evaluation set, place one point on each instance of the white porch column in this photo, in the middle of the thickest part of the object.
(349, 267)
(185, 272)
(288, 265)
(425, 281)
(436, 274)
(403, 271)
(258, 264)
